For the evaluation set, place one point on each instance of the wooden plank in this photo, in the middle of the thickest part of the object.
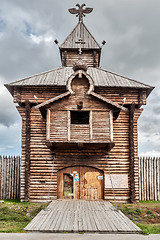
(91, 125)
(111, 125)
(69, 123)
(81, 216)
(48, 123)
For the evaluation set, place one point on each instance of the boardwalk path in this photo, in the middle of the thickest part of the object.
(81, 216)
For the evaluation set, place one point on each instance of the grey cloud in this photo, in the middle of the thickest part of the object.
(8, 112)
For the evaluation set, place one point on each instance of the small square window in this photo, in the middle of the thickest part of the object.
(79, 117)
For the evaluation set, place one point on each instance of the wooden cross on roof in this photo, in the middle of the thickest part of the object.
(80, 11)
(80, 42)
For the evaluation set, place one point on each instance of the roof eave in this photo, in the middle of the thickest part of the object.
(10, 88)
(149, 90)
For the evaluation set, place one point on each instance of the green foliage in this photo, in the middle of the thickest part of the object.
(145, 214)
(149, 228)
(149, 201)
(149, 211)
(132, 211)
(35, 211)
(15, 215)
(7, 214)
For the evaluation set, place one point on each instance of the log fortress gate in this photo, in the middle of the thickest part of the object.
(85, 120)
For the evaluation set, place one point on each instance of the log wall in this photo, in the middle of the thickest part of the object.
(41, 161)
(88, 57)
(114, 94)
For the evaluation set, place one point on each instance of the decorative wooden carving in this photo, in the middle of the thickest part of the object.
(80, 11)
(80, 72)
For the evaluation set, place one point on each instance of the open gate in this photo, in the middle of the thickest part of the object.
(80, 182)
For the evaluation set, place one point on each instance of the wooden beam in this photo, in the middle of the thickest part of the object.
(111, 125)
(69, 123)
(94, 59)
(108, 101)
(48, 123)
(27, 149)
(131, 152)
(91, 125)
(65, 58)
(52, 100)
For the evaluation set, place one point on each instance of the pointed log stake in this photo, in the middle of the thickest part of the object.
(80, 11)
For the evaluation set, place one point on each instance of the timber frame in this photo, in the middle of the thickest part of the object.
(81, 131)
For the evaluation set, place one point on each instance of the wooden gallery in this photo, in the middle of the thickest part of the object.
(79, 126)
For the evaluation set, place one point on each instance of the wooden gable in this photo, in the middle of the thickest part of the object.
(79, 115)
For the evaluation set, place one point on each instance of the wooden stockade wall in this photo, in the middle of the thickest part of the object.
(9, 177)
(149, 178)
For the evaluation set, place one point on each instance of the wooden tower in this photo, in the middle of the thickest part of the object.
(79, 141)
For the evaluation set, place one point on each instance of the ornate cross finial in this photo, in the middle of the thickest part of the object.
(80, 42)
(80, 11)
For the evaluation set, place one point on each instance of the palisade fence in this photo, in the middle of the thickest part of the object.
(10, 177)
(149, 178)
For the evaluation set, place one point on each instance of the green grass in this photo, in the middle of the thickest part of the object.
(145, 214)
(149, 201)
(15, 215)
(149, 228)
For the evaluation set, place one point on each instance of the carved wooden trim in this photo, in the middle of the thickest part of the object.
(27, 149)
(79, 73)
(131, 152)
(52, 100)
(108, 101)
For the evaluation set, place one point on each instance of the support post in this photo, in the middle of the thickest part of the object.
(65, 59)
(131, 152)
(27, 149)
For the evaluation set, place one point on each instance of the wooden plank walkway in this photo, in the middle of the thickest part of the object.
(81, 216)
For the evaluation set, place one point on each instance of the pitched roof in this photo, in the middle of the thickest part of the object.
(59, 77)
(80, 32)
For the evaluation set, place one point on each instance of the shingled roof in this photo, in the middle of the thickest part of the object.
(80, 32)
(59, 77)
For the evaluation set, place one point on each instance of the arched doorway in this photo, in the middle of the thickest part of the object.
(80, 182)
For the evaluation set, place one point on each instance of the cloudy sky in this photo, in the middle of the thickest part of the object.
(130, 27)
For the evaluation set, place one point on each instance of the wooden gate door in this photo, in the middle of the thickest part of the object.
(80, 182)
(91, 183)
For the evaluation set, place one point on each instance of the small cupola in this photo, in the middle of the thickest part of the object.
(80, 41)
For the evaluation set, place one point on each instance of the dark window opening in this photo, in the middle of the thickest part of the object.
(79, 117)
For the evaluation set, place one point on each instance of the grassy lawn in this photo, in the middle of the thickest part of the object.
(15, 215)
(145, 214)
